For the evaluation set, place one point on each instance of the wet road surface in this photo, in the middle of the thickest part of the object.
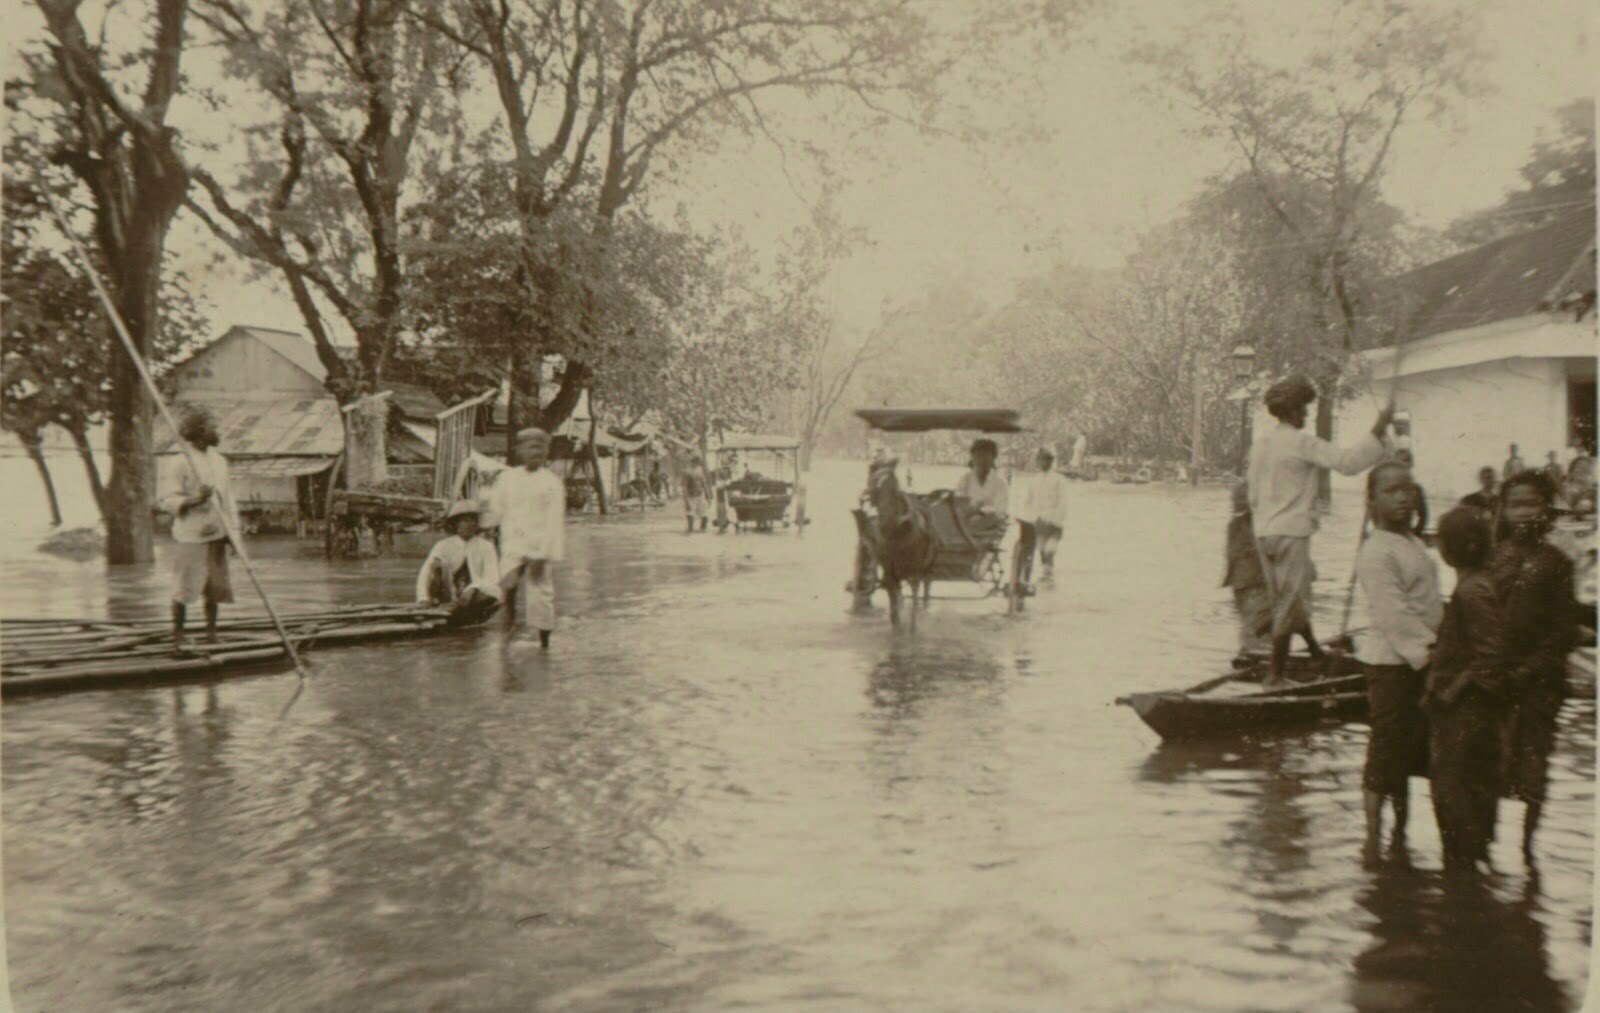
(721, 790)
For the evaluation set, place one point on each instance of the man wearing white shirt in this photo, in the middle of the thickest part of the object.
(201, 503)
(1047, 505)
(462, 570)
(986, 492)
(529, 504)
(1283, 490)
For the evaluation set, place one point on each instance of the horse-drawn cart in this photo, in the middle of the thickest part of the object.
(918, 538)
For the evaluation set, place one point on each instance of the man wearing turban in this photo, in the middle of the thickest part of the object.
(1283, 490)
(529, 505)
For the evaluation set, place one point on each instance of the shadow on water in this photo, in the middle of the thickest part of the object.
(1443, 945)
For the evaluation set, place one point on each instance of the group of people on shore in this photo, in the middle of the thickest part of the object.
(1465, 692)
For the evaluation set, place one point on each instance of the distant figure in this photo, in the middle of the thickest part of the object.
(1080, 448)
(1047, 503)
(986, 493)
(199, 506)
(1419, 519)
(1579, 488)
(1534, 581)
(1554, 471)
(1243, 574)
(1283, 491)
(1466, 698)
(696, 496)
(1488, 492)
(529, 505)
(1514, 464)
(1401, 587)
(462, 570)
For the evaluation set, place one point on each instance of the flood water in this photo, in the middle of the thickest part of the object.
(722, 790)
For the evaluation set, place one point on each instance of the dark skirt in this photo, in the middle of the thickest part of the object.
(1397, 749)
(1464, 763)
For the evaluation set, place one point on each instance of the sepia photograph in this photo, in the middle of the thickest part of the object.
(798, 506)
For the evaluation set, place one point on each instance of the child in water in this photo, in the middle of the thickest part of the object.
(1244, 576)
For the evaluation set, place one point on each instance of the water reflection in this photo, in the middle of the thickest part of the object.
(1446, 944)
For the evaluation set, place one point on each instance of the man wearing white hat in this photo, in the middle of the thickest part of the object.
(462, 570)
(529, 504)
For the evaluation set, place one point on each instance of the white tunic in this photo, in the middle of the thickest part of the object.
(991, 497)
(202, 523)
(530, 508)
(451, 552)
(1047, 498)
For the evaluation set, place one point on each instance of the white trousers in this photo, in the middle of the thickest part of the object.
(538, 594)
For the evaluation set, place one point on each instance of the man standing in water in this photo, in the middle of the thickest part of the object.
(1401, 586)
(200, 557)
(529, 504)
(1283, 492)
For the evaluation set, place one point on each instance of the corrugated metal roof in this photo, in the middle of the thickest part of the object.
(299, 427)
(278, 467)
(1502, 280)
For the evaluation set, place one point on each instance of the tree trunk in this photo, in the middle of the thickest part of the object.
(594, 463)
(522, 410)
(1325, 430)
(130, 527)
(573, 380)
(80, 439)
(1197, 449)
(365, 424)
(36, 452)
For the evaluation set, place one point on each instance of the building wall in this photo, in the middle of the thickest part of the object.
(1465, 418)
(239, 364)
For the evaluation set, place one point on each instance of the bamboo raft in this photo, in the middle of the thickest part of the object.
(63, 655)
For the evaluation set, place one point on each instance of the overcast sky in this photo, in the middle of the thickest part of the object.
(1114, 162)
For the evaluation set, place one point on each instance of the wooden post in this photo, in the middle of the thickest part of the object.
(366, 420)
(1197, 454)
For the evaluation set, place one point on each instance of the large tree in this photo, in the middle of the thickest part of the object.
(97, 105)
(1314, 132)
(348, 85)
(1557, 180)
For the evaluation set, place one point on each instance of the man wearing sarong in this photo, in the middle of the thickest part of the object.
(529, 504)
(986, 495)
(1401, 586)
(1283, 491)
(696, 498)
(199, 504)
(462, 570)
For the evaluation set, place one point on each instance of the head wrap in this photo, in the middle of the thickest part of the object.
(533, 434)
(1289, 394)
(984, 443)
(194, 417)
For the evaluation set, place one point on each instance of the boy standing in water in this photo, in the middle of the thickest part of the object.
(529, 504)
(1534, 580)
(1466, 698)
(1401, 587)
(200, 557)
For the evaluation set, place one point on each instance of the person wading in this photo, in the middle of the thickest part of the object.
(1534, 581)
(530, 506)
(1282, 481)
(200, 557)
(1401, 586)
(1466, 699)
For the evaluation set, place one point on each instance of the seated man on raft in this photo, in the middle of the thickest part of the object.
(463, 569)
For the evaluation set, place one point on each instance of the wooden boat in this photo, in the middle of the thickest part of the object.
(62, 655)
(1217, 706)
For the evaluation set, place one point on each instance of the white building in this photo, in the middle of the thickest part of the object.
(1498, 348)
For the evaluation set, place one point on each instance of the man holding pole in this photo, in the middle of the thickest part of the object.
(1283, 490)
(529, 504)
(200, 557)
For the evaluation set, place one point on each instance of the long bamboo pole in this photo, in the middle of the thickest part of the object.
(166, 413)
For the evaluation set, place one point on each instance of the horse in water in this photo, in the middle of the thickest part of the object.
(902, 540)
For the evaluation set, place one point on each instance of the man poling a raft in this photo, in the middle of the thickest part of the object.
(1283, 492)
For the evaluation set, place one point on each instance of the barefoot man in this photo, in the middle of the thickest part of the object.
(529, 504)
(1283, 490)
(200, 557)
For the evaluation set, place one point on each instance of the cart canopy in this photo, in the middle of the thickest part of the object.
(926, 420)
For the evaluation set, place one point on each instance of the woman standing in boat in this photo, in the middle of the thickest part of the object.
(197, 505)
(1534, 580)
(1466, 698)
(1401, 587)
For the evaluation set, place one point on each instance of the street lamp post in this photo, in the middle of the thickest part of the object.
(1244, 360)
